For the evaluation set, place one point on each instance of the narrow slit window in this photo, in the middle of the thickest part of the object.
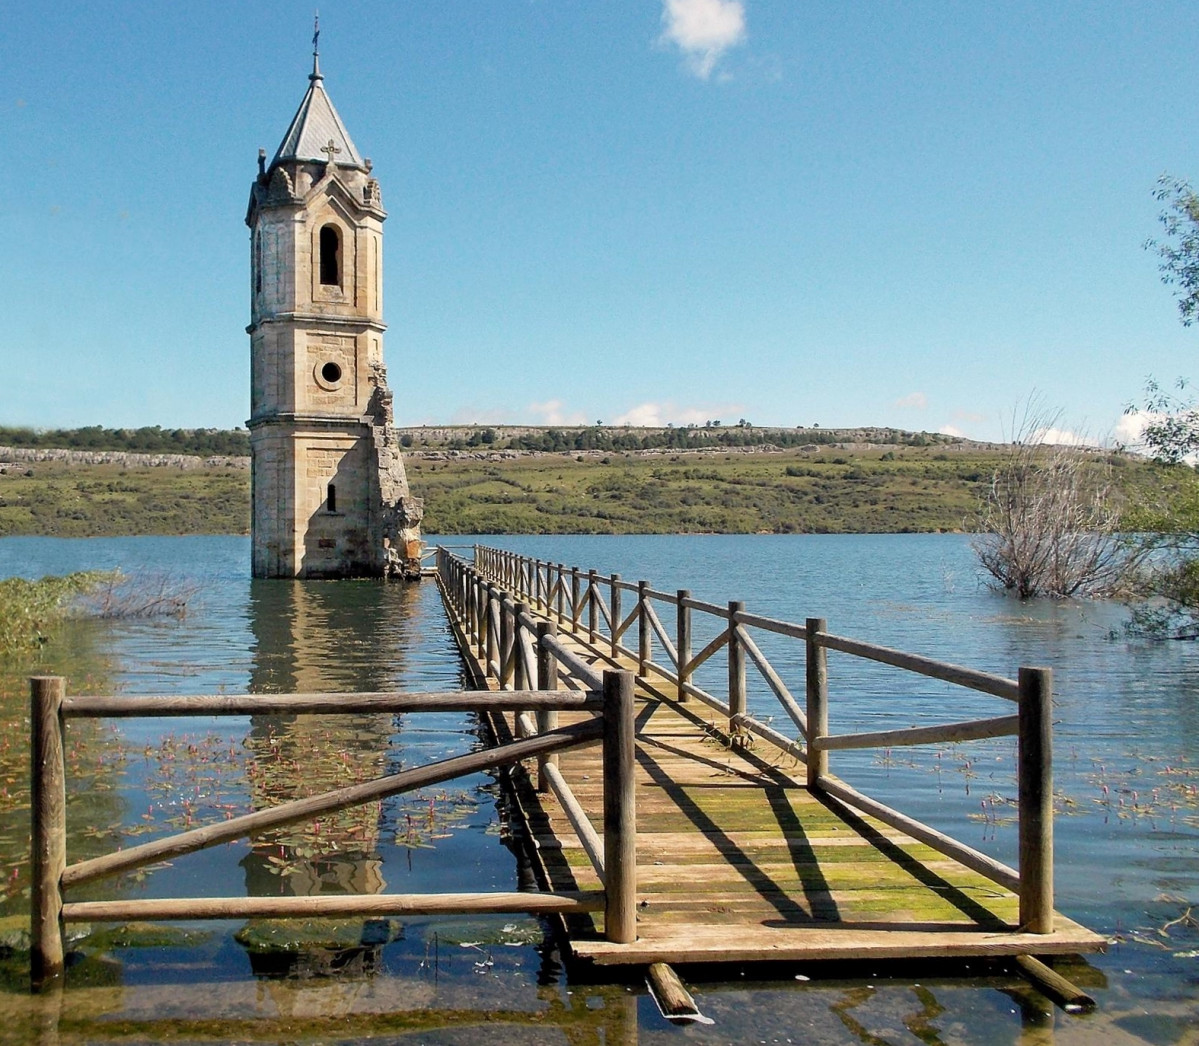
(331, 498)
(330, 256)
(257, 262)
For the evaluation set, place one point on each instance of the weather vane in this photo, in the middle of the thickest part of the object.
(315, 47)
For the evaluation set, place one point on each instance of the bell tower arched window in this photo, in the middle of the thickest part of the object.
(330, 262)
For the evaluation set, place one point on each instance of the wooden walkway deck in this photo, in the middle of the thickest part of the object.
(737, 860)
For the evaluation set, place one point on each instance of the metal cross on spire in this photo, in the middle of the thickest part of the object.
(316, 53)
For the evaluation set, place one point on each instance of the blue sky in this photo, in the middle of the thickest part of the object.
(842, 213)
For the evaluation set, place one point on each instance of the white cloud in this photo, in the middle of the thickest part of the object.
(471, 415)
(659, 415)
(1061, 437)
(916, 400)
(553, 412)
(1130, 429)
(703, 30)
(964, 424)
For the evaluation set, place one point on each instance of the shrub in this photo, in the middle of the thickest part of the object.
(1049, 521)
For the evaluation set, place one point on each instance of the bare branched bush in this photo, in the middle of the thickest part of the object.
(139, 595)
(1050, 521)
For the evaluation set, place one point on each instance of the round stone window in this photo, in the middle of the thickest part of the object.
(328, 375)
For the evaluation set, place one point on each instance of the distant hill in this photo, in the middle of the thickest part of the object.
(544, 480)
(560, 439)
(150, 439)
(553, 439)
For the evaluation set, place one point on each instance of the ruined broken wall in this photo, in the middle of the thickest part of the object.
(399, 513)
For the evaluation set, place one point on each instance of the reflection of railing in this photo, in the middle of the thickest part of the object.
(612, 699)
(493, 597)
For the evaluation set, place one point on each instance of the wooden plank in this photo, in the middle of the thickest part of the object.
(766, 943)
(333, 906)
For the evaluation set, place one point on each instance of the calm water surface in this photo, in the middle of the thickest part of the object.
(1127, 773)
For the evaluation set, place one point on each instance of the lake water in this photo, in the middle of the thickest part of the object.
(1126, 770)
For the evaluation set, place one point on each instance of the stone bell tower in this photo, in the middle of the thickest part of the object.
(330, 496)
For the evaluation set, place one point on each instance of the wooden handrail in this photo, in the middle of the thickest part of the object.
(329, 802)
(127, 706)
(976, 730)
(589, 838)
(326, 906)
(971, 678)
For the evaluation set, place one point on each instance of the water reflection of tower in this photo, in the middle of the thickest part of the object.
(321, 637)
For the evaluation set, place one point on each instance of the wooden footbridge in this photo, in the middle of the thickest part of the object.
(659, 833)
(735, 857)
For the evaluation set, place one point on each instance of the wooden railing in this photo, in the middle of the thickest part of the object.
(519, 651)
(494, 595)
(610, 698)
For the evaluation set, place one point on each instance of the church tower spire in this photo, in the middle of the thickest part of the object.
(329, 491)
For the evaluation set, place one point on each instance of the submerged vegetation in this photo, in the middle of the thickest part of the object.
(1168, 583)
(31, 610)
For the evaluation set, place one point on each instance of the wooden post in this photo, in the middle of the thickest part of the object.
(560, 581)
(592, 596)
(481, 616)
(537, 600)
(520, 675)
(574, 599)
(645, 636)
(1036, 799)
(736, 671)
(49, 827)
(493, 628)
(471, 608)
(505, 641)
(684, 642)
(620, 812)
(547, 679)
(817, 680)
(616, 622)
